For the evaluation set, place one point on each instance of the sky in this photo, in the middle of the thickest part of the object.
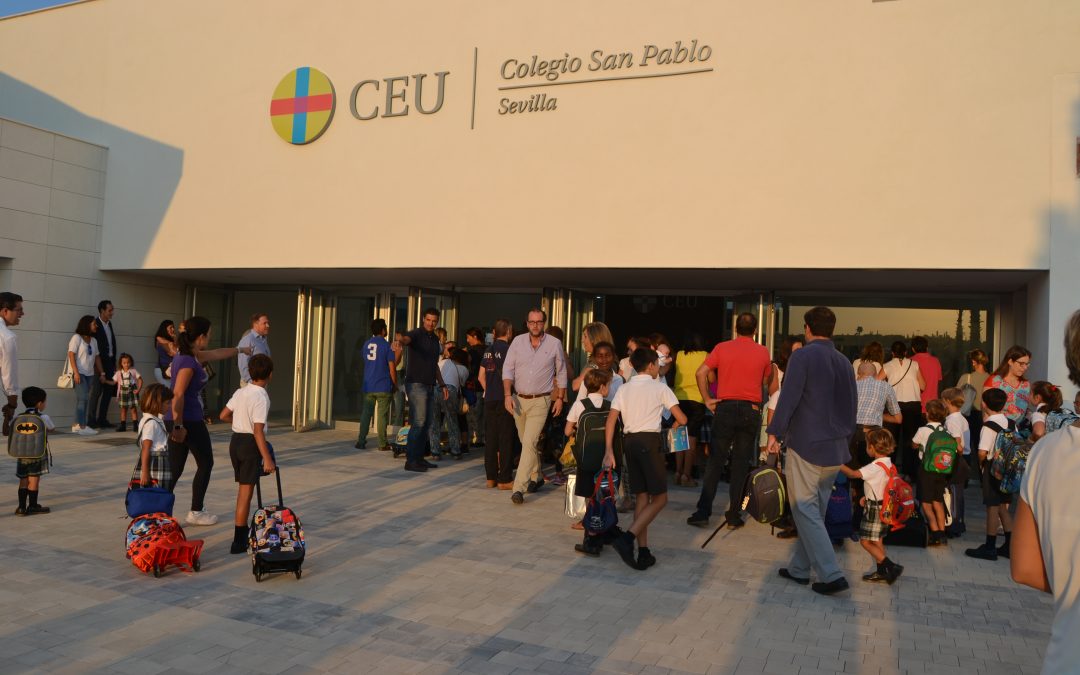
(893, 320)
(14, 7)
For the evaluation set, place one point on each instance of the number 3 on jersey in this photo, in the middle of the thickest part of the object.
(372, 351)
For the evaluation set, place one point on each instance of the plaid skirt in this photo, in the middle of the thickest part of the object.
(160, 470)
(871, 528)
(126, 398)
(26, 468)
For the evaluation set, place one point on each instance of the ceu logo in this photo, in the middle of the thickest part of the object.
(303, 105)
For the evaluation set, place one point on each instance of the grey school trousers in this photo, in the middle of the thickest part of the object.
(809, 487)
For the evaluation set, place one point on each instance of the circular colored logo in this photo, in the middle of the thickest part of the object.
(303, 105)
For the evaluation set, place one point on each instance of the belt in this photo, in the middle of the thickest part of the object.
(528, 396)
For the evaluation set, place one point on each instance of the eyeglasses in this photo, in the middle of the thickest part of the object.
(1023, 363)
(541, 322)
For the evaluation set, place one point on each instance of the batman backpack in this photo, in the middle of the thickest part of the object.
(28, 439)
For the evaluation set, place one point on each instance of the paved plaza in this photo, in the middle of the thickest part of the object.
(433, 573)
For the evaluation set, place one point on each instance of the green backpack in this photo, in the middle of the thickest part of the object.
(940, 451)
(29, 437)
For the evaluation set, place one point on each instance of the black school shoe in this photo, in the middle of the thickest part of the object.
(418, 468)
(698, 520)
(20, 511)
(877, 577)
(592, 552)
(37, 508)
(624, 546)
(1003, 551)
(517, 498)
(645, 558)
(783, 571)
(983, 552)
(534, 486)
(830, 587)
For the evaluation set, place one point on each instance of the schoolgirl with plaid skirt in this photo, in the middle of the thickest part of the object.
(875, 476)
(153, 467)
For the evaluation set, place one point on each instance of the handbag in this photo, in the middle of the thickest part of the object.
(66, 379)
(143, 500)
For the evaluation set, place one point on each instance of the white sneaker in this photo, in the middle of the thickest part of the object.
(87, 431)
(200, 518)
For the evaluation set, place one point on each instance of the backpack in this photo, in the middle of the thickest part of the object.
(589, 442)
(600, 512)
(764, 497)
(898, 502)
(941, 451)
(1056, 419)
(1011, 449)
(29, 437)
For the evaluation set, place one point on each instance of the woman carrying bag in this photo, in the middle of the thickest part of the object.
(83, 364)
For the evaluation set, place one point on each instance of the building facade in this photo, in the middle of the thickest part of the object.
(914, 165)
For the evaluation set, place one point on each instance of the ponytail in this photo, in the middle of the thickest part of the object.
(1050, 395)
(191, 330)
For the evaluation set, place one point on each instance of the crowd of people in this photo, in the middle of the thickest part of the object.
(518, 397)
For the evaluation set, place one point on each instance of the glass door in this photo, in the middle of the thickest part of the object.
(443, 300)
(216, 305)
(354, 316)
(316, 313)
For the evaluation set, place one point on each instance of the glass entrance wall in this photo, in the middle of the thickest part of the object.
(315, 328)
(354, 316)
(216, 305)
(952, 326)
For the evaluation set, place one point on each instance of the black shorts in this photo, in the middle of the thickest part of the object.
(991, 489)
(246, 460)
(932, 485)
(645, 467)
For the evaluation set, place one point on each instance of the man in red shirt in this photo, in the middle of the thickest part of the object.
(930, 368)
(743, 372)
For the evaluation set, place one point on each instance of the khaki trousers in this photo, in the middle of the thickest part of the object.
(529, 417)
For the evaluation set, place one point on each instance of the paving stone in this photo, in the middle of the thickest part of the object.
(433, 573)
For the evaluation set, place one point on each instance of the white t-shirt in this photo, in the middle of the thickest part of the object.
(957, 426)
(84, 354)
(250, 406)
(876, 478)
(775, 396)
(1035, 416)
(613, 386)
(642, 402)
(579, 407)
(451, 374)
(988, 437)
(1049, 487)
(155, 431)
(626, 370)
(904, 380)
(923, 434)
(48, 422)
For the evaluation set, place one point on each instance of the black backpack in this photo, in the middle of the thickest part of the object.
(589, 441)
(765, 498)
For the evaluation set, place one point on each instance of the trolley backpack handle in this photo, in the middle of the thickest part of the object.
(258, 489)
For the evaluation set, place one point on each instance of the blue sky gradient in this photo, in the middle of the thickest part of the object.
(14, 7)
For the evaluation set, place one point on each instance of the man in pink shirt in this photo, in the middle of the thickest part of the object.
(930, 368)
(743, 371)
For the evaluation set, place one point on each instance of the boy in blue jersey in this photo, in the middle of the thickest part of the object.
(380, 381)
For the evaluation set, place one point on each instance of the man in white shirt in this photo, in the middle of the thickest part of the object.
(11, 311)
(256, 339)
(641, 403)
(997, 504)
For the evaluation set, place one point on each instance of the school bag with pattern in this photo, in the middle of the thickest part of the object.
(29, 438)
(898, 502)
(1056, 419)
(1011, 449)
(941, 451)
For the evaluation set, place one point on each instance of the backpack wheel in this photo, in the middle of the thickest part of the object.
(196, 565)
(158, 572)
(297, 573)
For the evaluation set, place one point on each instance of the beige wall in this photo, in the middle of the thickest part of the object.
(51, 190)
(823, 126)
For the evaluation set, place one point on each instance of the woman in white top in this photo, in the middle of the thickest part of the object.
(85, 364)
(454, 373)
(1045, 547)
(874, 353)
(591, 335)
(907, 382)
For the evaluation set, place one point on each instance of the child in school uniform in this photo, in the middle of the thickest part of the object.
(596, 385)
(997, 505)
(957, 426)
(250, 453)
(30, 471)
(640, 403)
(129, 384)
(932, 486)
(875, 476)
(153, 466)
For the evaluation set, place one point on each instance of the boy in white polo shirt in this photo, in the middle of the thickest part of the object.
(641, 403)
(997, 504)
(250, 453)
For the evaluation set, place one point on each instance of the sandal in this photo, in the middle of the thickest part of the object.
(577, 525)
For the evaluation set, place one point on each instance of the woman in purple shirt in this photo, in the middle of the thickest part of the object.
(190, 435)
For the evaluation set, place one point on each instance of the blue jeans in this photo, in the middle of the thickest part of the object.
(82, 398)
(444, 412)
(421, 399)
